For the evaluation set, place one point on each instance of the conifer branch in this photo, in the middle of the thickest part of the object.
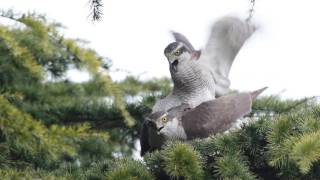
(96, 9)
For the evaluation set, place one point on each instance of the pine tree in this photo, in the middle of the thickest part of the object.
(49, 123)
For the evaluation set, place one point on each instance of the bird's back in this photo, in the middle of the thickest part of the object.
(166, 103)
(216, 116)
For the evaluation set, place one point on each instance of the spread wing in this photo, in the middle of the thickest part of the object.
(226, 38)
(217, 115)
(181, 38)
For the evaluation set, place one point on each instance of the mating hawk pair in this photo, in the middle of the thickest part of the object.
(199, 77)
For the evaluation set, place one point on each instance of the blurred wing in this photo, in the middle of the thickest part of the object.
(181, 38)
(144, 139)
(216, 116)
(226, 38)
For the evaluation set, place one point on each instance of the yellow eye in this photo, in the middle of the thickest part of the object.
(177, 53)
(164, 119)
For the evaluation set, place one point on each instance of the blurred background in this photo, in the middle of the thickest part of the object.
(283, 53)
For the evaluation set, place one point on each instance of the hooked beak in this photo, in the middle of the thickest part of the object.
(159, 129)
(174, 65)
(153, 125)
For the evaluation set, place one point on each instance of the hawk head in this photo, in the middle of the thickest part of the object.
(176, 53)
(168, 123)
(180, 51)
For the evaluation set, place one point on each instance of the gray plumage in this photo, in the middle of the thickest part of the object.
(187, 123)
(202, 75)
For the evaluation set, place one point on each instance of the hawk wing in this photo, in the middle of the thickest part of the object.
(181, 38)
(144, 139)
(226, 38)
(217, 115)
(150, 140)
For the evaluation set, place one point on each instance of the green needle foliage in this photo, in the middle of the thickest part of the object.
(128, 169)
(230, 166)
(306, 151)
(32, 142)
(182, 160)
(281, 146)
(54, 128)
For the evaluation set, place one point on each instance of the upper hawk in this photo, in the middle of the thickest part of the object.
(202, 75)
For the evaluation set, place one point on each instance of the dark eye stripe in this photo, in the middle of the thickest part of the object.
(183, 49)
(155, 115)
(171, 47)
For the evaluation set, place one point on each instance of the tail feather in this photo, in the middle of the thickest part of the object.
(256, 93)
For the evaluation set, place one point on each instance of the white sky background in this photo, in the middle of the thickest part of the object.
(283, 54)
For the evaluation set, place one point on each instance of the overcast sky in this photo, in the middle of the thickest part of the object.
(283, 54)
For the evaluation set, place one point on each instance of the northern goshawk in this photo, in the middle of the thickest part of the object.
(202, 75)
